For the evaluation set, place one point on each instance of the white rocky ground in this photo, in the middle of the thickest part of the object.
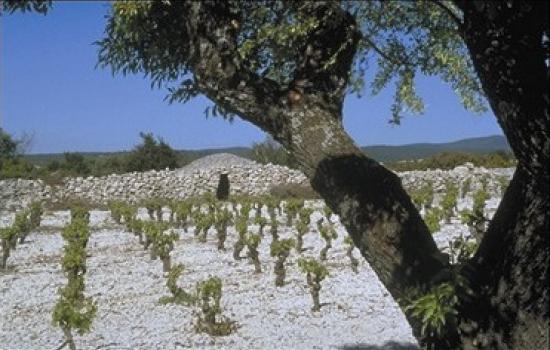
(358, 312)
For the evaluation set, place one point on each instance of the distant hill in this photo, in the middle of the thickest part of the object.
(382, 153)
(478, 145)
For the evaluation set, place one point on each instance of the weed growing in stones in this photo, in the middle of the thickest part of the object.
(210, 320)
(315, 272)
(280, 250)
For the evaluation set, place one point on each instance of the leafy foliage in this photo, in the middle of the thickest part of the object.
(315, 272)
(432, 219)
(151, 154)
(179, 296)
(403, 39)
(209, 293)
(73, 310)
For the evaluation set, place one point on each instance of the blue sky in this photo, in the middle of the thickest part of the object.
(50, 89)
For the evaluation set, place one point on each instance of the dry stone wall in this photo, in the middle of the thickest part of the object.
(246, 177)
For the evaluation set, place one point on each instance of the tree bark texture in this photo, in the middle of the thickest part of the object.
(510, 269)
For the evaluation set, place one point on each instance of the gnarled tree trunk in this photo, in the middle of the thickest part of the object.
(510, 269)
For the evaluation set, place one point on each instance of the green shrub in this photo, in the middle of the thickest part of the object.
(261, 222)
(223, 218)
(80, 213)
(8, 237)
(252, 243)
(136, 227)
(73, 310)
(475, 219)
(435, 310)
(36, 212)
(315, 272)
(115, 207)
(241, 227)
(302, 227)
(163, 244)
(423, 197)
(179, 296)
(328, 233)
(22, 225)
(151, 154)
(449, 201)
(432, 218)
(152, 230)
(210, 320)
(280, 249)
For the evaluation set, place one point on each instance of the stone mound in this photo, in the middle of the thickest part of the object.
(215, 161)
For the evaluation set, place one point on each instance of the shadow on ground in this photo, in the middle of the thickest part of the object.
(388, 346)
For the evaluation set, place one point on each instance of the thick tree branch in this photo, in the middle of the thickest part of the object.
(450, 12)
(370, 199)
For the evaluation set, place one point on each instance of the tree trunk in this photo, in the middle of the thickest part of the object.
(509, 272)
(370, 200)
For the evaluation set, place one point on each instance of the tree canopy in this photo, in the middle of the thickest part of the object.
(399, 39)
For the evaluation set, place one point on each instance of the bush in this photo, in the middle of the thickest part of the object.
(280, 249)
(151, 154)
(73, 310)
(210, 320)
(179, 296)
(8, 238)
(315, 272)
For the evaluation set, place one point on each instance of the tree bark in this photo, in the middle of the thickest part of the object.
(509, 272)
(374, 207)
